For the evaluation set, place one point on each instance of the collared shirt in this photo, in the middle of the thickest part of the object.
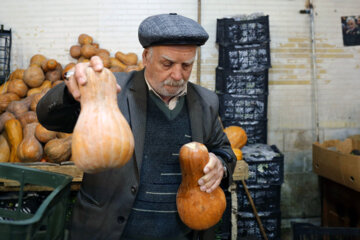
(173, 101)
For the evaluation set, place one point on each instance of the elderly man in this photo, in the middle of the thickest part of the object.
(165, 111)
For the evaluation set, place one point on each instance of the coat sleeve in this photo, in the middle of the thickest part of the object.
(57, 110)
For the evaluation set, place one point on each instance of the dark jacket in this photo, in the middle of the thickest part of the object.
(105, 199)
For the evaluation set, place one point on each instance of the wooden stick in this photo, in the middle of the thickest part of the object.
(262, 230)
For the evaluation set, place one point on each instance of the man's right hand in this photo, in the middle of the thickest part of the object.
(79, 76)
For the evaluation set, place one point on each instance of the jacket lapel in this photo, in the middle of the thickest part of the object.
(195, 114)
(137, 100)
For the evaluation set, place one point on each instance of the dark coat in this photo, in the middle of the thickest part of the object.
(105, 199)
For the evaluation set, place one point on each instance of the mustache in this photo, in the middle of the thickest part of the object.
(174, 83)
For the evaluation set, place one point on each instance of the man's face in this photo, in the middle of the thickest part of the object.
(351, 24)
(168, 68)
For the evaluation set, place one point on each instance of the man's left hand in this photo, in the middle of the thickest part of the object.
(214, 172)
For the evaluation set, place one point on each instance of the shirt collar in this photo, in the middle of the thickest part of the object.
(173, 101)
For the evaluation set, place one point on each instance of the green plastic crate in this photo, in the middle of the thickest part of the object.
(48, 222)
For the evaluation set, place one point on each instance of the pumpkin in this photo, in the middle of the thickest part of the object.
(49, 65)
(44, 135)
(14, 135)
(67, 67)
(238, 153)
(75, 51)
(58, 150)
(127, 59)
(30, 149)
(34, 76)
(236, 135)
(88, 50)
(4, 117)
(37, 60)
(197, 209)
(7, 98)
(85, 39)
(45, 84)
(102, 138)
(18, 87)
(4, 149)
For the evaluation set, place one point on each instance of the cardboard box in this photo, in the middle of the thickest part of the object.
(333, 160)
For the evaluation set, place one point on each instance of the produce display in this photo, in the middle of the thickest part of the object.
(22, 138)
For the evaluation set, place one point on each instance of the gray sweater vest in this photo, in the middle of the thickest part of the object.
(154, 213)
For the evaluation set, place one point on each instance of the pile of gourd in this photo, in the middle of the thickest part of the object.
(22, 138)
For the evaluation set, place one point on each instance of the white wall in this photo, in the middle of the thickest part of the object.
(51, 27)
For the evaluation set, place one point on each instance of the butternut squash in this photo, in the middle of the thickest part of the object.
(18, 74)
(127, 59)
(14, 135)
(58, 150)
(114, 62)
(28, 117)
(37, 59)
(105, 59)
(34, 76)
(67, 68)
(36, 98)
(197, 209)
(236, 135)
(75, 51)
(18, 87)
(102, 138)
(4, 117)
(30, 149)
(85, 39)
(19, 107)
(62, 134)
(3, 87)
(4, 149)
(44, 135)
(55, 74)
(45, 84)
(7, 98)
(88, 51)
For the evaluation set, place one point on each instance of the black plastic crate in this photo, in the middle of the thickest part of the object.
(248, 226)
(236, 31)
(256, 131)
(266, 164)
(265, 197)
(242, 107)
(252, 83)
(5, 53)
(308, 231)
(245, 58)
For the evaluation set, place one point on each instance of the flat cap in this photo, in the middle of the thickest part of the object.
(171, 29)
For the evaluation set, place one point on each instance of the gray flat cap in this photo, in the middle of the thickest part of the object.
(171, 29)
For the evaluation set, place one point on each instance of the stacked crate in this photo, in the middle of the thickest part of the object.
(242, 74)
(242, 87)
(5, 50)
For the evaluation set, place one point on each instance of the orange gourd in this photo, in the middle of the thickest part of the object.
(19, 107)
(238, 153)
(30, 149)
(75, 51)
(37, 59)
(85, 39)
(44, 135)
(18, 87)
(236, 135)
(7, 98)
(58, 150)
(14, 135)
(4, 149)
(45, 84)
(28, 117)
(128, 59)
(102, 138)
(197, 209)
(34, 76)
